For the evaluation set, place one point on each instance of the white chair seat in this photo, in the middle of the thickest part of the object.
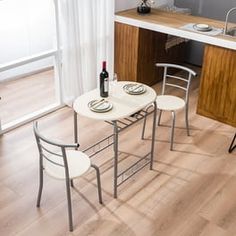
(169, 103)
(78, 164)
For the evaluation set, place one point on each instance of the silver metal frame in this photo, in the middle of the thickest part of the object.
(113, 139)
(40, 139)
(184, 88)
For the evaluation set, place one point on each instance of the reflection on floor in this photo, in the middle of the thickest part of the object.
(25, 95)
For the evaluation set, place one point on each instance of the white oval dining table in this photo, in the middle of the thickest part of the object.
(124, 106)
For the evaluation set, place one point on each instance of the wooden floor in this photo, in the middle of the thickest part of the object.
(191, 191)
(25, 95)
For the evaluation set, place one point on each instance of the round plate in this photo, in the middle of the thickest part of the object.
(202, 27)
(99, 106)
(134, 89)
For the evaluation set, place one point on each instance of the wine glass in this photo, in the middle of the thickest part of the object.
(115, 78)
(113, 83)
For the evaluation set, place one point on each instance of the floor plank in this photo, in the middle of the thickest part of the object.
(25, 95)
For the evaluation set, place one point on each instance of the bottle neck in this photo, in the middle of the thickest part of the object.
(104, 65)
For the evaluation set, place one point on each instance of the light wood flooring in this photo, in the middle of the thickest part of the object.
(191, 191)
(25, 95)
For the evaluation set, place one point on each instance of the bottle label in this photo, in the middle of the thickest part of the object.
(106, 85)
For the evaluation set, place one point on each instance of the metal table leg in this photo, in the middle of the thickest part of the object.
(115, 157)
(75, 128)
(153, 133)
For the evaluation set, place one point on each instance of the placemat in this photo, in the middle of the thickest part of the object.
(213, 32)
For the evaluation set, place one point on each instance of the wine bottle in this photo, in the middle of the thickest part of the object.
(104, 78)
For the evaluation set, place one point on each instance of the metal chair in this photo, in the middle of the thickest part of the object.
(172, 103)
(63, 162)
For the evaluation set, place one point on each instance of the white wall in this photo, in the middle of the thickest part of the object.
(27, 27)
(127, 4)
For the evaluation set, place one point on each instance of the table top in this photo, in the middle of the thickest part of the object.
(123, 103)
(171, 23)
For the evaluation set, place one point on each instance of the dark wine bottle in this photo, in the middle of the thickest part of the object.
(104, 78)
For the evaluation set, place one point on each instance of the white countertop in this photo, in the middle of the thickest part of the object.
(156, 22)
(124, 104)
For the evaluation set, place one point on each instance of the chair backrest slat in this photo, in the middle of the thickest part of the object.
(177, 77)
(53, 153)
(176, 86)
(53, 162)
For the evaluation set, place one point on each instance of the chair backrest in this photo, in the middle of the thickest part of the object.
(181, 82)
(53, 152)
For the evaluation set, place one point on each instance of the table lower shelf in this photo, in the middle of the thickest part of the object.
(125, 174)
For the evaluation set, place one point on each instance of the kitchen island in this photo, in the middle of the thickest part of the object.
(139, 44)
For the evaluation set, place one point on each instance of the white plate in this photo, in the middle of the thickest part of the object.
(202, 27)
(100, 106)
(134, 89)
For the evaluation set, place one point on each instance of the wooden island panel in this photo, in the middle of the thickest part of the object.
(137, 50)
(217, 95)
(126, 51)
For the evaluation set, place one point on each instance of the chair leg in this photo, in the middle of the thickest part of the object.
(98, 183)
(172, 130)
(72, 183)
(159, 118)
(144, 126)
(69, 204)
(40, 186)
(144, 122)
(186, 120)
